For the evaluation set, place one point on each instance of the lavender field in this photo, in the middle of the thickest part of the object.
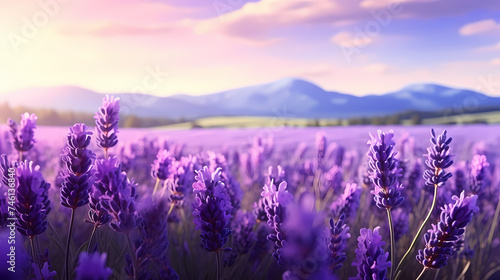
(273, 203)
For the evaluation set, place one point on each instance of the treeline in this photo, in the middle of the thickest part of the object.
(51, 117)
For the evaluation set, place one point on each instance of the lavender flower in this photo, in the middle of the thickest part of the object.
(276, 177)
(92, 266)
(153, 243)
(440, 240)
(106, 121)
(384, 171)
(321, 144)
(276, 201)
(243, 235)
(438, 159)
(211, 210)
(118, 195)
(163, 167)
(183, 179)
(259, 209)
(77, 177)
(45, 272)
(31, 211)
(478, 173)
(339, 233)
(98, 216)
(231, 185)
(371, 260)
(347, 204)
(24, 136)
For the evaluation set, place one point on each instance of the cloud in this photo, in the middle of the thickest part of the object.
(484, 27)
(349, 39)
(117, 29)
(266, 18)
(489, 48)
(495, 62)
(377, 4)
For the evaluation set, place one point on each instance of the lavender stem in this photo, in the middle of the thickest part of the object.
(91, 238)
(421, 273)
(66, 261)
(391, 230)
(417, 236)
(217, 264)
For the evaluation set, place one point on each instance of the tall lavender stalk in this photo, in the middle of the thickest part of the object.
(277, 199)
(478, 173)
(31, 210)
(163, 167)
(24, 136)
(106, 121)
(152, 245)
(212, 208)
(339, 233)
(438, 159)
(77, 177)
(384, 173)
(443, 237)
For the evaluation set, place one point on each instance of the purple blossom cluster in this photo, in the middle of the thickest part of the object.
(77, 177)
(479, 173)
(32, 205)
(118, 195)
(441, 239)
(211, 210)
(106, 121)
(339, 233)
(438, 159)
(276, 200)
(384, 170)
(371, 259)
(24, 135)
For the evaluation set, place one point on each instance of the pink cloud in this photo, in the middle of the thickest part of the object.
(263, 19)
(487, 27)
(495, 62)
(116, 29)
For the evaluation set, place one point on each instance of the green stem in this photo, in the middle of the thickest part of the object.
(106, 153)
(326, 199)
(156, 185)
(33, 254)
(217, 264)
(66, 261)
(393, 242)
(494, 225)
(171, 208)
(421, 273)
(91, 238)
(417, 236)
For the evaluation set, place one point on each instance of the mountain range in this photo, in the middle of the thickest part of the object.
(287, 98)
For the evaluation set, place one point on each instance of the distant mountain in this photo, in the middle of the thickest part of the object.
(285, 98)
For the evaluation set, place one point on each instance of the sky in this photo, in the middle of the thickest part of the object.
(167, 47)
